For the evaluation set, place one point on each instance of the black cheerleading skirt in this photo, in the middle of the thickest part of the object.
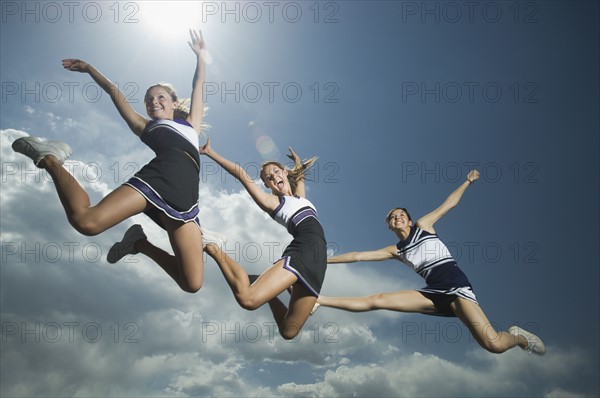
(306, 255)
(445, 284)
(170, 184)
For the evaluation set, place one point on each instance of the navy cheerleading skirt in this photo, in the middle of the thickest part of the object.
(306, 255)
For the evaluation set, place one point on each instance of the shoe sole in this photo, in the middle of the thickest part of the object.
(27, 146)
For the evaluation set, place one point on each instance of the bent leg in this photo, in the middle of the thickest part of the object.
(117, 206)
(167, 262)
(471, 314)
(186, 267)
(267, 286)
(265, 289)
(402, 301)
(290, 321)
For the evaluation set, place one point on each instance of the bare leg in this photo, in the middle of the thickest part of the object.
(265, 289)
(251, 296)
(290, 321)
(186, 266)
(402, 301)
(117, 206)
(474, 318)
(167, 261)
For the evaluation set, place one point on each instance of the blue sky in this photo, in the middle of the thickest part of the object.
(399, 100)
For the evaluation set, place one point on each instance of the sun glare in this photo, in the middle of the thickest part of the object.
(170, 20)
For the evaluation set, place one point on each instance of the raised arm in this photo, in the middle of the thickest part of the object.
(426, 222)
(385, 253)
(197, 102)
(300, 191)
(134, 120)
(265, 201)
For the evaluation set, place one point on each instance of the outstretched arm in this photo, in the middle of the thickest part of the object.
(197, 103)
(265, 201)
(134, 120)
(386, 253)
(426, 222)
(300, 182)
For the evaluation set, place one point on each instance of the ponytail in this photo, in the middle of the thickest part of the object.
(295, 174)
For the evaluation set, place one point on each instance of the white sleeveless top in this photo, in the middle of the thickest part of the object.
(292, 210)
(423, 251)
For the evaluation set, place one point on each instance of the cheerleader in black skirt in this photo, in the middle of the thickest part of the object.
(448, 291)
(303, 264)
(166, 189)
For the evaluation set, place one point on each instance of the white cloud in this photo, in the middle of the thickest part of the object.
(560, 393)
(157, 340)
(429, 375)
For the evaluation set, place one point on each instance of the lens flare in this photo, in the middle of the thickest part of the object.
(267, 147)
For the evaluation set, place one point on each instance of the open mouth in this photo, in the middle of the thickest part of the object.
(279, 184)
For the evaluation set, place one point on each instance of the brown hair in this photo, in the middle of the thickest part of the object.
(389, 215)
(295, 174)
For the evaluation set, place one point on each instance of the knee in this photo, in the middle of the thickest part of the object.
(86, 226)
(211, 249)
(375, 301)
(193, 286)
(289, 331)
(247, 303)
(493, 345)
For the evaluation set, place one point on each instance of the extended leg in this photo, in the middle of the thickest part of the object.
(117, 206)
(471, 314)
(402, 301)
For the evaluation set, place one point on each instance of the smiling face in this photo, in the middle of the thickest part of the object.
(275, 178)
(399, 219)
(161, 102)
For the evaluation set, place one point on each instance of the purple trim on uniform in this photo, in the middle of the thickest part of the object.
(302, 215)
(184, 122)
(281, 203)
(180, 121)
(154, 198)
(287, 266)
(150, 126)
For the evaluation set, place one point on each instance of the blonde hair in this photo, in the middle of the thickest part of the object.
(295, 174)
(182, 111)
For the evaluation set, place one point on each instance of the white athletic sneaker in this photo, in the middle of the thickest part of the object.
(37, 148)
(126, 246)
(209, 236)
(534, 343)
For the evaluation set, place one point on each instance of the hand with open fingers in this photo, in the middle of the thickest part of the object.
(292, 155)
(197, 43)
(75, 65)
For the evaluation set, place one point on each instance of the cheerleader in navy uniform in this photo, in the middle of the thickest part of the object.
(166, 189)
(448, 291)
(303, 264)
